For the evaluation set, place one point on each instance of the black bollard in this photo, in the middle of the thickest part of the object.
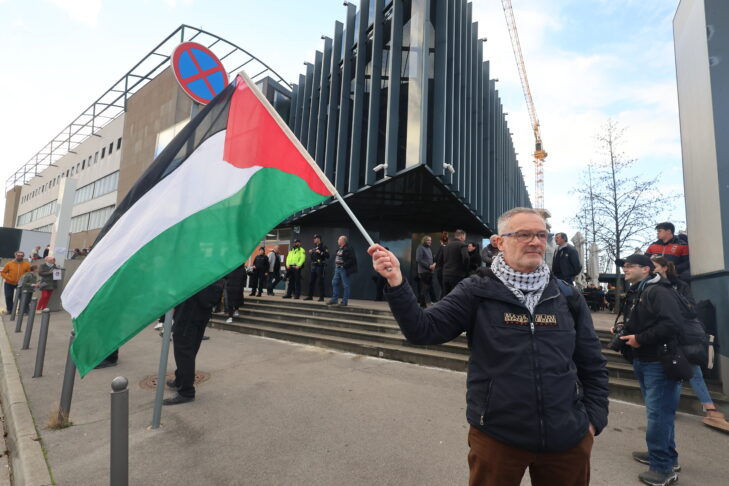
(21, 312)
(40, 354)
(69, 376)
(119, 460)
(16, 298)
(29, 326)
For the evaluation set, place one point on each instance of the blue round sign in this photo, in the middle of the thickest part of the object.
(200, 73)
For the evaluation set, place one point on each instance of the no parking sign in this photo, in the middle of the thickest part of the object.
(200, 73)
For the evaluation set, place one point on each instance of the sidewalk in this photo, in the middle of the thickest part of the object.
(279, 413)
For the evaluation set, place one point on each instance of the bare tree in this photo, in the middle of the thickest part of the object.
(617, 207)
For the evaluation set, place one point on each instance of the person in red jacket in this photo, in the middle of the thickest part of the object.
(672, 248)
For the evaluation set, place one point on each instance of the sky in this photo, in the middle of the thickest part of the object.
(587, 61)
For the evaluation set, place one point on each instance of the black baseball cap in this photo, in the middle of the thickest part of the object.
(637, 259)
(297, 240)
(317, 235)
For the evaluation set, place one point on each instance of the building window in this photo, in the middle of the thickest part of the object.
(118, 143)
(72, 171)
(111, 147)
(102, 186)
(96, 157)
(37, 213)
(83, 165)
(103, 152)
(91, 220)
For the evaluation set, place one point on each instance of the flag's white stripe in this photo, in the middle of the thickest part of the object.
(201, 181)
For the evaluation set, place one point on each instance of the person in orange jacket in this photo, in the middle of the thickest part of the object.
(12, 271)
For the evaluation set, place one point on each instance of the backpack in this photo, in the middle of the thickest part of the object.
(573, 298)
(693, 338)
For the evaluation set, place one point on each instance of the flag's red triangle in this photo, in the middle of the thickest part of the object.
(255, 138)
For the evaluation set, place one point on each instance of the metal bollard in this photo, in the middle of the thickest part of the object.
(69, 376)
(29, 326)
(23, 302)
(16, 298)
(119, 460)
(40, 355)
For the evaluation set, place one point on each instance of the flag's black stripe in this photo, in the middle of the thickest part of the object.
(212, 119)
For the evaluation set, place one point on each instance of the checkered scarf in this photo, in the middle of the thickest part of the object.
(527, 287)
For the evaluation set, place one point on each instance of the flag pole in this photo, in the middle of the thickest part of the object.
(312, 163)
(162, 371)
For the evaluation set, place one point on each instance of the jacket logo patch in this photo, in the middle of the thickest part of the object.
(545, 320)
(516, 319)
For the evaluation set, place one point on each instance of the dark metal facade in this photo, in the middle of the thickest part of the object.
(368, 116)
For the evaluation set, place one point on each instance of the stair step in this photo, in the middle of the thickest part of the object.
(374, 332)
(320, 311)
(392, 338)
(415, 355)
(279, 301)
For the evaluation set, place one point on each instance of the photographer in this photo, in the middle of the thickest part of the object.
(652, 320)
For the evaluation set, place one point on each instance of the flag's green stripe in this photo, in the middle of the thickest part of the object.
(184, 259)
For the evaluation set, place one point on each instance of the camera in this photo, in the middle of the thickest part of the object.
(617, 344)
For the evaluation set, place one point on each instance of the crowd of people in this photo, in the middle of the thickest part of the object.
(536, 399)
(20, 275)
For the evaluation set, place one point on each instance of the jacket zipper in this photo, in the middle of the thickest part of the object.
(538, 373)
(486, 402)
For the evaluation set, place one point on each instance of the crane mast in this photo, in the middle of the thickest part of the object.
(539, 153)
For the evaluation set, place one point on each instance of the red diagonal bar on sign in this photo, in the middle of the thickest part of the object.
(200, 73)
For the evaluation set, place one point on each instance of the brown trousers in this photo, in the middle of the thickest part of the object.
(493, 463)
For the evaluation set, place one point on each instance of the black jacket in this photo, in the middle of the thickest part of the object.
(349, 259)
(474, 261)
(534, 382)
(566, 263)
(321, 257)
(455, 259)
(653, 314)
(196, 310)
(260, 264)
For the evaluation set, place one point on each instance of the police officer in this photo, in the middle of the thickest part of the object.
(318, 257)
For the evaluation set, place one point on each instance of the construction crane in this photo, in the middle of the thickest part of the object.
(539, 153)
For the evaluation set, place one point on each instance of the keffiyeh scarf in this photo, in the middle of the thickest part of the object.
(527, 287)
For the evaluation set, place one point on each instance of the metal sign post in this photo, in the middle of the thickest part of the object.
(162, 373)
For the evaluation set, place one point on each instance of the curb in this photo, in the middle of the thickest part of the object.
(29, 466)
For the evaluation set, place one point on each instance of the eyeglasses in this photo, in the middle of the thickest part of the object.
(527, 236)
(632, 265)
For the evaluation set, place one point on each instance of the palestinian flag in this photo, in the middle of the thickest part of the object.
(234, 172)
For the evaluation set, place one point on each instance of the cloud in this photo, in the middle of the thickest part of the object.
(579, 79)
(83, 11)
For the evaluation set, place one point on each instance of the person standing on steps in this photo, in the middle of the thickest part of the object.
(318, 257)
(294, 263)
(345, 264)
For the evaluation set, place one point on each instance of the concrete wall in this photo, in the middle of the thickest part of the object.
(159, 105)
(12, 201)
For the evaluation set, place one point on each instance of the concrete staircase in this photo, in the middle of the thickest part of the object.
(374, 332)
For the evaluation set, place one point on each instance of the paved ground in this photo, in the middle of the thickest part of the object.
(280, 413)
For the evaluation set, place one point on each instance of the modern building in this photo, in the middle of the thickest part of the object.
(702, 74)
(417, 143)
